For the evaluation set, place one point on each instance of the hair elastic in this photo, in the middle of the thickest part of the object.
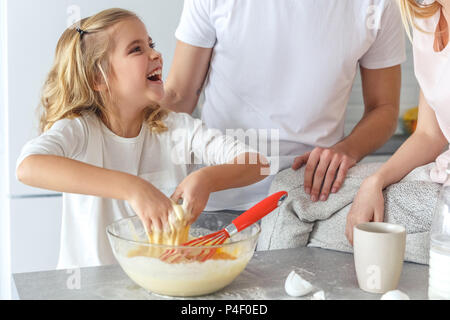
(81, 32)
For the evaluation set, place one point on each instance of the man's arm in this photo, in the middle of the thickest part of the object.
(381, 93)
(326, 168)
(186, 77)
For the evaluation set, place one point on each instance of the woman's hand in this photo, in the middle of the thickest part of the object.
(150, 204)
(194, 190)
(367, 206)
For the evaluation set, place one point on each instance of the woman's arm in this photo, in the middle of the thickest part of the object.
(424, 145)
(72, 176)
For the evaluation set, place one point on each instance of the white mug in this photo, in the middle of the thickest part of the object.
(379, 250)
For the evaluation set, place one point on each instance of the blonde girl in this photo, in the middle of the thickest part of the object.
(109, 147)
(428, 21)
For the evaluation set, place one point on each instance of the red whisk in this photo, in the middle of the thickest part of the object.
(246, 219)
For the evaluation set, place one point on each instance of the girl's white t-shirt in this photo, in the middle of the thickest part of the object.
(164, 159)
(287, 65)
(432, 71)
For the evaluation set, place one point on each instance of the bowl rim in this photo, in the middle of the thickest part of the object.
(110, 233)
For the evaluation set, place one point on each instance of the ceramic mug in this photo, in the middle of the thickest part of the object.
(379, 250)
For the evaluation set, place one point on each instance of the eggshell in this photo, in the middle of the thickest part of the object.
(296, 286)
(319, 295)
(394, 295)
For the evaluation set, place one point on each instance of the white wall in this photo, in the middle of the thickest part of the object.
(5, 261)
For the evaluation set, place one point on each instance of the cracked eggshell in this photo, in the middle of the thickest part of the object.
(395, 295)
(319, 295)
(296, 286)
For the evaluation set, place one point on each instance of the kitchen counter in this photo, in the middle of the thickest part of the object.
(330, 271)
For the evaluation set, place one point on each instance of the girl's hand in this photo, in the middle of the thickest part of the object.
(367, 206)
(194, 190)
(150, 204)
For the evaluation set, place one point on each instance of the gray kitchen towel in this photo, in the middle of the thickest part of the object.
(300, 222)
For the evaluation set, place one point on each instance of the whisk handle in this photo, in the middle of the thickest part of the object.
(259, 210)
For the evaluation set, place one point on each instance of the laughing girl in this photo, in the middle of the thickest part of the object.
(109, 147)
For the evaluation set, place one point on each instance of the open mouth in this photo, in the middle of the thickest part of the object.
(154, 75)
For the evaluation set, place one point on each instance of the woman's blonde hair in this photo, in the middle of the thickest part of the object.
(81, 63)
(410, 11)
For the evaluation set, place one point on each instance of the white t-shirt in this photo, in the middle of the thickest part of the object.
(160, 158)
(287, 65)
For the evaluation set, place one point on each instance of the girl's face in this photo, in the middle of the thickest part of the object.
(136, 80)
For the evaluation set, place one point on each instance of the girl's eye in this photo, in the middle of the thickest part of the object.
(137, 49)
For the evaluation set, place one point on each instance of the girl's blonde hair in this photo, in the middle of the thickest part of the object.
(81, 63)
(410, 11)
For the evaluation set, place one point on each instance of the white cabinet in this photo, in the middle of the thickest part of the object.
(35, 230)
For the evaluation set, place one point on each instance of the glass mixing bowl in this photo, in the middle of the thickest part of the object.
(140, 259)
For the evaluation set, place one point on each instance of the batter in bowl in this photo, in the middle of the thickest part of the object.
(183, 279)
(175, 234)
(142, 263)
(177, 230)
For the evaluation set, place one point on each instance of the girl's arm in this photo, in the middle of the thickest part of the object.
(424, 145)
(72, 176)
(238, 173)
(195, 189)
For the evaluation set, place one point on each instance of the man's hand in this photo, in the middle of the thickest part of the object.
(325, 171)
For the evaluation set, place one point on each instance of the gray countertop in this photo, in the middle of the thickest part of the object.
(330, 271)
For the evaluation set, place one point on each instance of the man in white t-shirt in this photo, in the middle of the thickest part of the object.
(284, 70)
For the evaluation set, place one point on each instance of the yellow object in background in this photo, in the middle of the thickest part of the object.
(410, 120)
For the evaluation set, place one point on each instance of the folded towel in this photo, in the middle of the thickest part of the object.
(409, 203)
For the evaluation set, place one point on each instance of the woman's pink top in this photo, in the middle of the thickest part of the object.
(432, 71)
